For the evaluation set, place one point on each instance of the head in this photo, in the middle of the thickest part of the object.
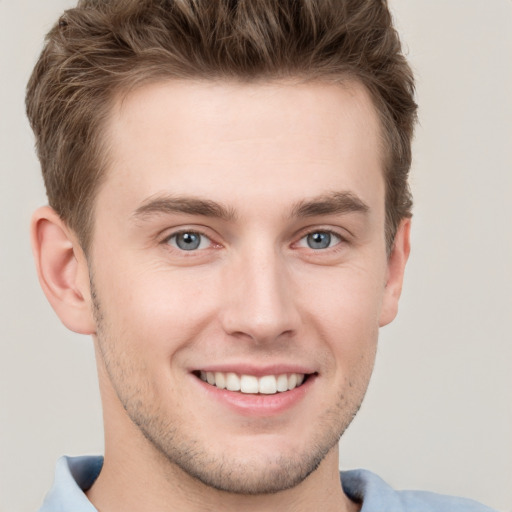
(229, 186)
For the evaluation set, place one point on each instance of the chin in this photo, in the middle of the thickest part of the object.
(253, 475)
(252, 465)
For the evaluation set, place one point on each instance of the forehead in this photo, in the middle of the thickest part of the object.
(243, 141)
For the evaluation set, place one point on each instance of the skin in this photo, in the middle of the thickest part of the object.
(280, 161)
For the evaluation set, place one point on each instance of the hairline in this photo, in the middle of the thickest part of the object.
(102, 142)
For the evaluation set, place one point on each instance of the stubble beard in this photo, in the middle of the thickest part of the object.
(243, 474)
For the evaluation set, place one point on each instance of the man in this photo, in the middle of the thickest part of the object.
(229, 219)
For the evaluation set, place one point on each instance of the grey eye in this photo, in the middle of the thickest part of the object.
(188, 241)
(319, 240)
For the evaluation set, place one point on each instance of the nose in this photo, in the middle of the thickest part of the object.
(258, 298)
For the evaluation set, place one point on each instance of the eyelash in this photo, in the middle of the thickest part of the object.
(329, 232)
(341, 240)
(174, 236)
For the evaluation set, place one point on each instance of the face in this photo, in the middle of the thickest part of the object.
(239, 275)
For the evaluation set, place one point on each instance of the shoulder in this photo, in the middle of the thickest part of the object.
(377, 496)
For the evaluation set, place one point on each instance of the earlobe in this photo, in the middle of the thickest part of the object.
(395, 275)
(62, 270)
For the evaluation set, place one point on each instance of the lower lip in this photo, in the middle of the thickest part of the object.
(258, 405)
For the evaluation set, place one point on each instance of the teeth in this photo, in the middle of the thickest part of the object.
(266, 385)
(282, 383)
(232, 382)
(249, 384)
(220, 380)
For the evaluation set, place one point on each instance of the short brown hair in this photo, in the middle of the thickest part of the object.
(104, 47)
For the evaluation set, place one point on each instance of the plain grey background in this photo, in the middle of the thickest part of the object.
(438, 414)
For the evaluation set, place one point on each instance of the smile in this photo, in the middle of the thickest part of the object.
(250, 384)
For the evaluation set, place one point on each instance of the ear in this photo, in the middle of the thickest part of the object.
(395, 272)
(62, 270)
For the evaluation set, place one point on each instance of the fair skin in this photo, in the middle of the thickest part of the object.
(239, 230)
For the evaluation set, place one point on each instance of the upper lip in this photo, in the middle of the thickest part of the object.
(257, 371)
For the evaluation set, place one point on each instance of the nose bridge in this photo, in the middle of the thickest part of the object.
(259, 301)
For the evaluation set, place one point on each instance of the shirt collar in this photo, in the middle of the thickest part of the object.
(73, 476)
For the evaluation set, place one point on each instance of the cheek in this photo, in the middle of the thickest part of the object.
(147, 319)
(155, 307)
(348, 298)
(344, 309)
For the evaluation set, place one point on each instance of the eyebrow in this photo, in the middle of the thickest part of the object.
(187, 205)
(329, 204)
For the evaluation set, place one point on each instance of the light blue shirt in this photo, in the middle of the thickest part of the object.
(74, 475)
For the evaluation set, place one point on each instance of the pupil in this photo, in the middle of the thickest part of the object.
(188, 241)
(319, 240)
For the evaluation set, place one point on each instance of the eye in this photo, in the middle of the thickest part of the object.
(320, 240)
(189, 241)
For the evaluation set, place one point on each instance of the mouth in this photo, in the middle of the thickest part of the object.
(251, 384)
